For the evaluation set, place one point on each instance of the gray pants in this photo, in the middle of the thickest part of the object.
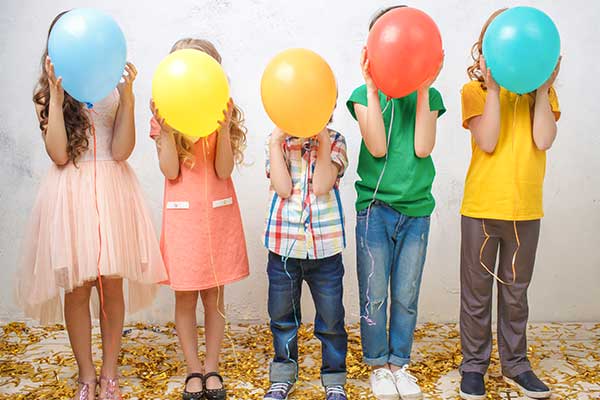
(476, 293)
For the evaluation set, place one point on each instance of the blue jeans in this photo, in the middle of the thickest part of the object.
(392, 256)
(324, 278)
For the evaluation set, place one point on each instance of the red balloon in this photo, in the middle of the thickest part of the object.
(404, 50)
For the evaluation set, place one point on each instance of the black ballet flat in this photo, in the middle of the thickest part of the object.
(214, 394)
(193, 395)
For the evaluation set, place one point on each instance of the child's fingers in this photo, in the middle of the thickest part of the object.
(132, 67)
(59, 82)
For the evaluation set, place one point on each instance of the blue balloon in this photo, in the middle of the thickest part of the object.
(88, 51)
(521, 48)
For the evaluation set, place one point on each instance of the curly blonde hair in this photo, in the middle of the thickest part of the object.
(474, 71)
(77, 123)
(237, 131)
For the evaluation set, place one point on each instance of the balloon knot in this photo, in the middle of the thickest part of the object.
(89, 105)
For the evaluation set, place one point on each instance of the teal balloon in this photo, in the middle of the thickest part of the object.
(521, 48)
(88, 51)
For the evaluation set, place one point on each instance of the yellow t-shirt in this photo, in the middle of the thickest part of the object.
(506, 184)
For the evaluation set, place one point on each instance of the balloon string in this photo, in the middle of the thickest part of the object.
(100, 286)
(516, 204)
(303, 194)
(210, 248)
(367, 315)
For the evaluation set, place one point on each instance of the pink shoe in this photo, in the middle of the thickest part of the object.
(112, 389)
(84, 389)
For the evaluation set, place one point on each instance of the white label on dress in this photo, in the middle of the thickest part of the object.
(178, 205)
(223, 202)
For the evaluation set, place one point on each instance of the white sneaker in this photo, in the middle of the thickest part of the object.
(406, 385)
(383, 385)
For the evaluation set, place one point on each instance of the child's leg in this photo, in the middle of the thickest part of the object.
(111, 328)
(79, 327)
(285, 285)
(373, 261)
(325, 278)
(476, 293)
(411, 239)
(513, 310)
(214, 330)
(187, 331)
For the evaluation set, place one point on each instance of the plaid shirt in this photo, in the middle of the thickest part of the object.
(304, 225)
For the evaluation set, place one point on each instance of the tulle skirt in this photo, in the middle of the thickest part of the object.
(66, 230)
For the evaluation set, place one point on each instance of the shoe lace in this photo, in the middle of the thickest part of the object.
(382, 374)
(335, 389)
(279, 387)
(403, 373)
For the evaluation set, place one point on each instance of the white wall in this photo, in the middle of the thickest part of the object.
(566, 285)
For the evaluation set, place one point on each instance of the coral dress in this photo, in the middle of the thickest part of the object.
(202, 239)
(60, 249)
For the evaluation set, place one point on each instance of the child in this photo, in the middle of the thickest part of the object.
(501, 209)
(202, 238)
(305, 237)
(393, 208)
(89, 225)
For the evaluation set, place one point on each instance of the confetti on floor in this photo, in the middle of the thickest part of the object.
(36, 362)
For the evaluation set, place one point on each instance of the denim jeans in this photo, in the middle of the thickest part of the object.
(324, 278)
(390, 257)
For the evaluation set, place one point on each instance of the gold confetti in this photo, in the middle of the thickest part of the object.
(36, 362)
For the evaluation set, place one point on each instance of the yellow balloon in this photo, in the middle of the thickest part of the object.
(191, 91)
(299, 92)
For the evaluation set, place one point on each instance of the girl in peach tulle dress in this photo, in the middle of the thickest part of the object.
(202, 238)
(89, 226)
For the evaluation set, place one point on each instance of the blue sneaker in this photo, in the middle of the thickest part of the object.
(335, 392)
(279, 391)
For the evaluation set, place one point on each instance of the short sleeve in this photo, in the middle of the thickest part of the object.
(359, 96)
(473, 101)
(435, 102)
(268, 157)
(553, 97)
(154, 128)
(339, 154)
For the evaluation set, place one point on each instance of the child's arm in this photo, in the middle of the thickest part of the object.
(168, 157)
(123, 140)
(425, 121)
(326, 171)
(544, 119)
(224, 155)
(55, 133)
(485, 128)
(370, 118)
(278, 170)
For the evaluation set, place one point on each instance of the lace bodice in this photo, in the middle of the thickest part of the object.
(103, 116)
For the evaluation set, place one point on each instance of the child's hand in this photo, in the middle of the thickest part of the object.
(164, 127)
(278, 136)
(546, 86)
(364, 66)
(57, 93)
(125, 87)
(225, 124)
(490, 82)
(429, 82)
(323, 136)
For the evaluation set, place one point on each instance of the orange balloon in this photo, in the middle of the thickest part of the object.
(299, 92)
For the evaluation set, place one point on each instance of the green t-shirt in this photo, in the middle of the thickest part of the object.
(406, 182)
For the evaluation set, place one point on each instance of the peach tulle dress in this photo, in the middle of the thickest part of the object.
(60, 248)
(202, 238)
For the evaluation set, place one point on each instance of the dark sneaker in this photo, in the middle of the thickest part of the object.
(279, 391)
(335, 392)
(530, 384)
(472, 386)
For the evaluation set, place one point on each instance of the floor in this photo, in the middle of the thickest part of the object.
(36, 363)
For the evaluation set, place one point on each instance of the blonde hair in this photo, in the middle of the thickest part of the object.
(474, 71)
(237, 131)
